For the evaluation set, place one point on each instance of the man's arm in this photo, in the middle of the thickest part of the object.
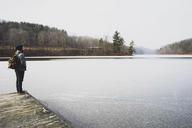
(22, 59)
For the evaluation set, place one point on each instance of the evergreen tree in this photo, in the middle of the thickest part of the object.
(118, 42)
(131, 48)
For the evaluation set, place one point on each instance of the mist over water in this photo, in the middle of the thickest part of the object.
(111, 93)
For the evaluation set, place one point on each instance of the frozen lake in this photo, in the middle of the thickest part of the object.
(142, 92)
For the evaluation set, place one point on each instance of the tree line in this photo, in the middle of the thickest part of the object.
(44, 40)
(180, 47)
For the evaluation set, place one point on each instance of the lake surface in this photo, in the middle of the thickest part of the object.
(145, 92)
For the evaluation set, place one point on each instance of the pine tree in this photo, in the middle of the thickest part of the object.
(131, 48)
(118, 42)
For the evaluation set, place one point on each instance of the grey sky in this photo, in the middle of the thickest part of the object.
(150, 23)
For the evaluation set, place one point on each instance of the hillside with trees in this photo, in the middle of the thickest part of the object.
(40, 40)
(181, 47)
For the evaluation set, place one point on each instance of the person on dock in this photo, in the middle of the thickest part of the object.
(21, 68)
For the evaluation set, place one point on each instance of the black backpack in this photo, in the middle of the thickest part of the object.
(13, 62)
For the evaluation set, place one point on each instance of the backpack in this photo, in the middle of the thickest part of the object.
(13, 62)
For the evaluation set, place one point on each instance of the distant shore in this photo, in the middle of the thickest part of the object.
(36, 58)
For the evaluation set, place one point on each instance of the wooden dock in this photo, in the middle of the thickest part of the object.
(24, 111)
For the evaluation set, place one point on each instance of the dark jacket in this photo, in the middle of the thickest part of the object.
(22, 65)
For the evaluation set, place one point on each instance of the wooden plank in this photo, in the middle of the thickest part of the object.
(24, 111)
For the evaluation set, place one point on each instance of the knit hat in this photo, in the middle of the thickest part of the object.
(19, 47)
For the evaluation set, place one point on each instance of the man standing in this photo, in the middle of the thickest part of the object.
(20, 69)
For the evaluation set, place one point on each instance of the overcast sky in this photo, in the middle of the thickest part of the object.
(150, 23)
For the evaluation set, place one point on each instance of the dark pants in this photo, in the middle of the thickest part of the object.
(20, 76)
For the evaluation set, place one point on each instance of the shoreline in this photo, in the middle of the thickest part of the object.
(33, 58)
